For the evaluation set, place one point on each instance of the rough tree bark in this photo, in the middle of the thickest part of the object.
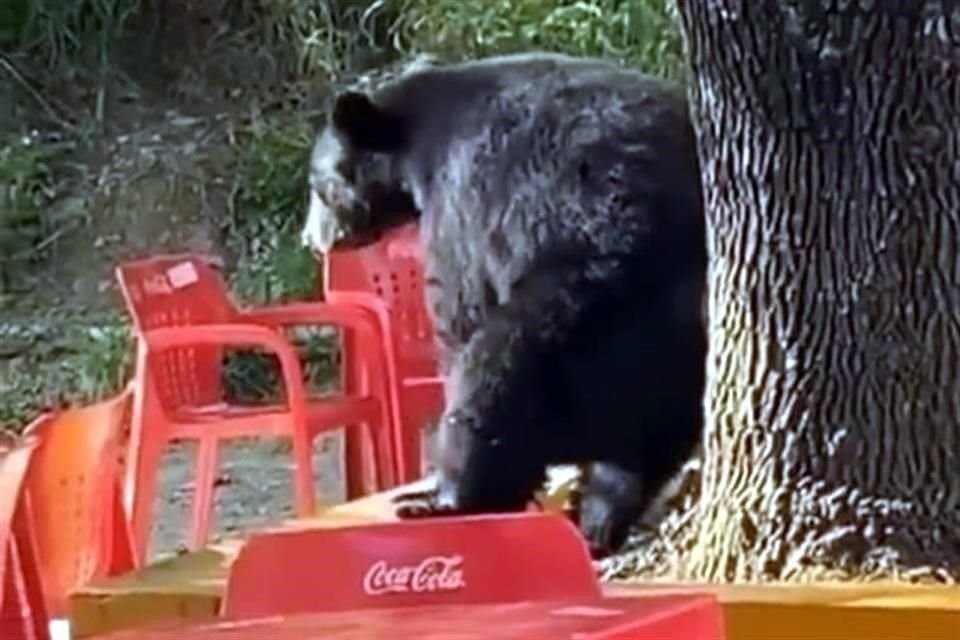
(829, 132)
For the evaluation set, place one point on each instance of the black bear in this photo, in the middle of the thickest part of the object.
(560, 208)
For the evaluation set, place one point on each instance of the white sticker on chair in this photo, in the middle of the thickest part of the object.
(182, 275)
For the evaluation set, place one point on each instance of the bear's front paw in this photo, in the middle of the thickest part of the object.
(416, 504)
(423, 504)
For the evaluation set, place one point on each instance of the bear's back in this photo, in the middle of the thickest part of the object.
(444, 104)
(517, 157)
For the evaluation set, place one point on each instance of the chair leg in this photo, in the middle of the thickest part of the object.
(34, 609)
(304, 492)
(142, 494)
(383, 458)
(119, 556)
(22, 609)
(203, 490)
(355, 462)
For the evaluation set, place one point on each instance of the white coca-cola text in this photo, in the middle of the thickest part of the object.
(435, 573)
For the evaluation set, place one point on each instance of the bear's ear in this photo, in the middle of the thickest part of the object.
(366, 125)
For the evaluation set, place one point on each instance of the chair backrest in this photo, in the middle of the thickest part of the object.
(387, 278)
(179, 290)
(392, 270)
(464, 560)
(74, 489)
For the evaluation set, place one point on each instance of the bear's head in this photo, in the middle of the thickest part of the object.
(357, 191)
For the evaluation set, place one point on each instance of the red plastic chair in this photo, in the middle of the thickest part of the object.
(385, 279)
(463, 560)
(184, 319)
(23, 614)
(73, 484)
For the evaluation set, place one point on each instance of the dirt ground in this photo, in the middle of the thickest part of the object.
(254, 488)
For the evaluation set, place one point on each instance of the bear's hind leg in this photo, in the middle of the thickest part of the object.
(498, 437)
(495, 440)
(611, 500)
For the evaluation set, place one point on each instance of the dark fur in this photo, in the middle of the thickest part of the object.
(560, 207)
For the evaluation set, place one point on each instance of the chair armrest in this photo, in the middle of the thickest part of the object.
(236, 335)
(370, 327)
(315, 313)
(423, 381)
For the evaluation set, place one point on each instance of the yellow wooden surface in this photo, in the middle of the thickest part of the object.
(189, 586)
(827, 611)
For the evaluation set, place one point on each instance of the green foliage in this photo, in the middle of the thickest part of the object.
(61, 361)
(15, 18)
(327, 37)
(262, 231)
(57, 29)
(24, 184)
(331, 37)
(638, 32)
(103, 360)
(263, 227)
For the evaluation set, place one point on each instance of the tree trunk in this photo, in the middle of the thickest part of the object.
(829, 135)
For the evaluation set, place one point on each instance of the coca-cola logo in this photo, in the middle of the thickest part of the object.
(432, 574)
